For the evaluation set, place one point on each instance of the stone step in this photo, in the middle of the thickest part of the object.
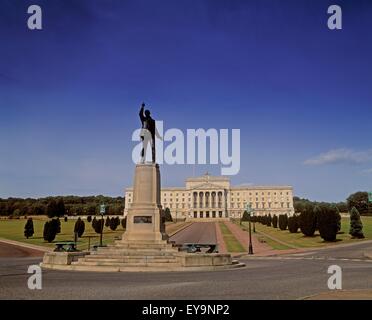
(124, 256)
(132, 254)
(140, 246)
(135, 251)
(128, 260)
(125, 264)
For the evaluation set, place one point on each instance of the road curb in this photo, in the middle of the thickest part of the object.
(180, 229)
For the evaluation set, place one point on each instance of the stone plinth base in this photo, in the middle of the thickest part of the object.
(61, 258)
(143, 256)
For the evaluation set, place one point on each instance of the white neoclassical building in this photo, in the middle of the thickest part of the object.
(211, 197)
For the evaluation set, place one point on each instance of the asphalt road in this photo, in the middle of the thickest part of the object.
(288, 277)
(204, 232)
(8, 250)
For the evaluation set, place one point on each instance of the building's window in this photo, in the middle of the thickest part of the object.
(288, 204)
(262, 199)
(177, 206)
(207, 214)
(201, 214)
(170, 199)
(256, 199)
(176, 199)
(256, 205)
(282, 204)
(183, 206)
(269, 204)
(165, 194)
(268, 193)
(213, 214)
(256, 193)
(195, 214)
(238, 193)
(263, 205)
(170, 206)
(183, 199)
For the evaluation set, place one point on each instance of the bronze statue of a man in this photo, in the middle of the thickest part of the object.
(148, 133)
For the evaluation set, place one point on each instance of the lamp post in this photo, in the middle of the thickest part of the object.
(254, 221)
(249, 211)
(102, 211)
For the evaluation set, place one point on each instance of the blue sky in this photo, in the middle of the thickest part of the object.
(300, 93)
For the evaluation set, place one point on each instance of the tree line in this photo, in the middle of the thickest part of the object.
(61, 206)
(359, 200)
(324, 218)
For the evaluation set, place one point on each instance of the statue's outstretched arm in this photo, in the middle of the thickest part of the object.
(142, 117)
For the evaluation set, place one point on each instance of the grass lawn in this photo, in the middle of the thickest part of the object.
(232, 244)
(13, 229)
(300, 241)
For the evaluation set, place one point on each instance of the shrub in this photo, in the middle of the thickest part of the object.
(65, 218)
(107, 223)
(269, 220)
(114, 222)
(29, 228)
(50, 230)
(356, 225)
(79, 227)
(245, 216)
(283, 221)
(168, 216)
(328, 217)
(275, 221)
(98, 224)
(293, 224)
(307, 220)
(89, 219)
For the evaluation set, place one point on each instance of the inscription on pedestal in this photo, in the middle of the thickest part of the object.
(142, 219)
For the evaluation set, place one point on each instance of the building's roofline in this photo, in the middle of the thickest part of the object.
(260, 187)
(231, 188)
(207, 177)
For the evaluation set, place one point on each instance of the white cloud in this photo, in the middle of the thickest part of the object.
(343, 156)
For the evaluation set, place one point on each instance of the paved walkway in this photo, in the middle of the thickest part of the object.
(198, 232)
(259, 248)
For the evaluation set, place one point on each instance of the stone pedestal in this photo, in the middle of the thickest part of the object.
(144, 220)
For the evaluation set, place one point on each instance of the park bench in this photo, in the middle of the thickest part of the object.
(261, 239)
(196, 247)
(65, 246)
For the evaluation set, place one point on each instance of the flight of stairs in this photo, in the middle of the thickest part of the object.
(124, 256)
